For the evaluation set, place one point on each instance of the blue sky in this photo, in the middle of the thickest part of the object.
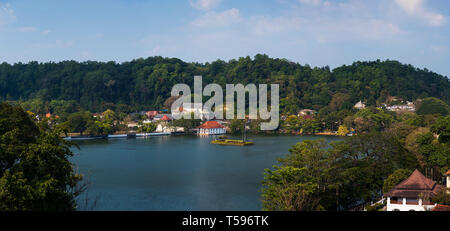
(314, 32)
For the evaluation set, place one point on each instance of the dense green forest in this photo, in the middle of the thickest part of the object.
(145, 84)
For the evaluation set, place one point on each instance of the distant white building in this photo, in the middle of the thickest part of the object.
(133, 124)
(360, 105)
(165, 128)
(409, 106)
(305, 112)
(147, 121)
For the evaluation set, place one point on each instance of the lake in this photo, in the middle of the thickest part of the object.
(177, 172)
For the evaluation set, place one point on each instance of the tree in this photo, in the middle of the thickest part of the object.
(292, 124)
(338, 100)
(97, 128)
(149, 127)
(433, 105)
(372, 119)
(395, 178)
(109, 116)
(364, 161)
(342, 131)
(337, 176)
(142, 84)
(297, 183)
(435, 154)
(35, 173)
(442, 128)
(289, 189)
(236, 126)
(79, 121)
(442, 197)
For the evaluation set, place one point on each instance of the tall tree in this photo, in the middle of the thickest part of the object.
(35, 173)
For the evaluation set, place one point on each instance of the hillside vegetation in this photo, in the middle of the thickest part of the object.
(146, 83)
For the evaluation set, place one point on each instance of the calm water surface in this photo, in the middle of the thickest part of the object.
(177, 172)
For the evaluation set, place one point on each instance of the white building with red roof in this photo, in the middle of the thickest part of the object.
(211, 128)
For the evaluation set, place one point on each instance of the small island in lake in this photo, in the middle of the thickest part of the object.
(231, 142)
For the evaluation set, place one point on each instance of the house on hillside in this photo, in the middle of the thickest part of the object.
(147, 121)
(151, 114)
(360, 105)
(50, 116)
(166, 128)
(97, 115)
(306, 112)
(132, 125)
(413, 194)
(409, 106)
(164, 117)
(211, 128)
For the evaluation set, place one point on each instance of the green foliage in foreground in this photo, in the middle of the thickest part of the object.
(35, 173)
(315, 177)
(443, 198)
(359, 169)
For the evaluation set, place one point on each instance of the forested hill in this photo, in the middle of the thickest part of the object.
(146, 83)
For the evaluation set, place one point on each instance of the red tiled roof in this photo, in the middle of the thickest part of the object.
(211, 124)
(152, 113)
(165, 118)
(448, 173)
(415, 185)
(308, 117)
(440, 208)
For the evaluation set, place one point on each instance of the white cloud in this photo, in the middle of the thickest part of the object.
(315, 2)
(311, 2)
(323, 32)
(26, 29)
(204, 4)
(6, 14)
(410, 6)
(416, 8)
(265, 25)
(218, 19)
(347, 21)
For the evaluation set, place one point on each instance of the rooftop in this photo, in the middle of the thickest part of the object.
(415, 185)
(165, 118)
(211, 124)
